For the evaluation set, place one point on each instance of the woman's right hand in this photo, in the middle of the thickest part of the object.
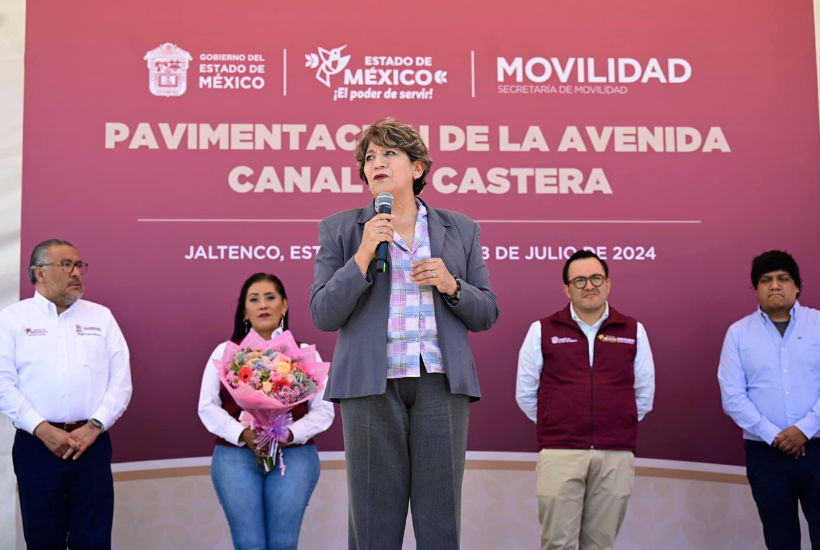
(249, 436)
(371, 237)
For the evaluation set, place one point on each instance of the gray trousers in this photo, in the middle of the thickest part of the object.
(408, 444)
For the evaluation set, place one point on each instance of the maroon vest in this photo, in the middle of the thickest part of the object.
(581, 407)
(230, 405)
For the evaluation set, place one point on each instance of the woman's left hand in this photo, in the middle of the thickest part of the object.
(433, 272)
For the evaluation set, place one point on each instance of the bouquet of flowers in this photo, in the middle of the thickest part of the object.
(267, 378)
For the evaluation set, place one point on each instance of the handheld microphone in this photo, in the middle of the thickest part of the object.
(384, 205)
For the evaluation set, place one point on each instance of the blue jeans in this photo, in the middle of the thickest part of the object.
(264, 511)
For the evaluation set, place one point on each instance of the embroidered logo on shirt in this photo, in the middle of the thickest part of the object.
(36, 332)
(614, 340)
(556, 340)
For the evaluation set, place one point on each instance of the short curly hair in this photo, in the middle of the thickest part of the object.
(776, 260)
(393, 134)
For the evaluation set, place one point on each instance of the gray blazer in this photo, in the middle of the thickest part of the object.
(342, 299)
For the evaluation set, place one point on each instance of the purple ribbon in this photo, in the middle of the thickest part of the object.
(272, 435)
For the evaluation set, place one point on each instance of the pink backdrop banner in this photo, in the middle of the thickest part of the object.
(185, 145)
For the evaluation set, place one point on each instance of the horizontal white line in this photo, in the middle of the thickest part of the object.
(332, 455)
(194, 220)
(506, 457)
(642, 462)
(161, 464)
(690, 466)
(471, 455)
(593, 221)
(260, 220)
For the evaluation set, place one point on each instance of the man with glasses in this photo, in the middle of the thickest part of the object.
(65, 378)
(585, 377)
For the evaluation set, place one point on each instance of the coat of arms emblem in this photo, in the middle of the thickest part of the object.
(168, 70)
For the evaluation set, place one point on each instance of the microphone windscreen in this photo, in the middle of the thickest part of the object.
(384, 199)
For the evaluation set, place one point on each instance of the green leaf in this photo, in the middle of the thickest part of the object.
(312, 388)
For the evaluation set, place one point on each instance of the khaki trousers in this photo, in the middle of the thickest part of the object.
(582, 497)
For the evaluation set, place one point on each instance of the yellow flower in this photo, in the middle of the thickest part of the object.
(267, 387)
(283, 368)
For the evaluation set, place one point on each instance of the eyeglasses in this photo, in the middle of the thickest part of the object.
(68, 266)
(581, 282)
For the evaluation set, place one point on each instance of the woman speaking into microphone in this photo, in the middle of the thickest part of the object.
(402, 370)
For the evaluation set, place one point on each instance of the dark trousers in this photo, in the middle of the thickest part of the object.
(409, 443)
(64, 503)
(778, 482)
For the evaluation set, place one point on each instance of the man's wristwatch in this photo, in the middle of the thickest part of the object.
(98, 424)
(456, 296)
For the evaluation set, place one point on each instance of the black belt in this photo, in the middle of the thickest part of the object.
(69, 426)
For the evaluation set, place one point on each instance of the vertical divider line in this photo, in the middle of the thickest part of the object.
(816, 5)
(472, 66)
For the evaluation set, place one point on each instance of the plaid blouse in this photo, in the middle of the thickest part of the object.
(411, 325)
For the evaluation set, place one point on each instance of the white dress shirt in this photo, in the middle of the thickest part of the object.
(531, 362)
(217, 420)
(62, 368)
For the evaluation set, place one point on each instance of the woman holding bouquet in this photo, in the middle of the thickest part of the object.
(402, 370)
(263, 510)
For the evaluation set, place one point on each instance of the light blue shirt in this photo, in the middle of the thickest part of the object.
(770, 382)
